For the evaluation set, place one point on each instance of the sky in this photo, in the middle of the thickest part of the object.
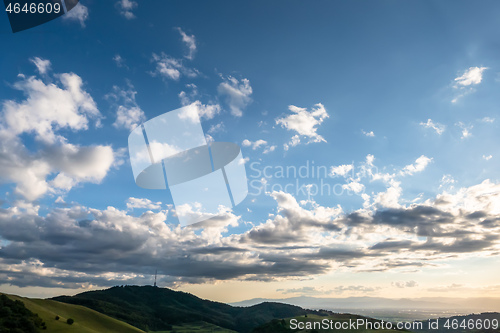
(369, 132)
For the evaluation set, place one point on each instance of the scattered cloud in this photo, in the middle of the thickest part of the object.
(305, 123)
(216, 128)
(171, 68)
(142, 203)
(255, 144)
(119, 61)
(472, 76)
(196, 107)
(42, 65)
(79, 13)
(190, 42)
(368, 134)
(487, 157)
(269, 149)
(488, 120)
(126, 7)
(295, 242)
(49, 106)
(57, 165)
(237, 94)
(390, 198)
(128, 113)
(403, 284)
(419, 166)
(465, 130)
(447, 181)
(466, 82)
(259, 144)
(341, 170)
(439, 128)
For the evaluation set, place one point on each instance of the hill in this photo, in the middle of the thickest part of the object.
(16, 318)
(85, 320)
(424, 303)
(157, 309)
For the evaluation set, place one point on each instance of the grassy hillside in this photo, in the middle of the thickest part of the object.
(86, 320)
(16, 318)
(157, 309)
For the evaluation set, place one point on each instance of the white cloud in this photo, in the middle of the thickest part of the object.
(216, 128)
(389, 198)
(354, 185)
(42, 65)
(128, 113)
(57, 165)
(49, 107)
(197, 109)
(126, 7)
(487, 157)
(119, 61)
(209, 138)
(483, 197)
(439, 128)
(129, 117)
(341, 170)
(190, 42)
(488, 120)
(447, 181)
(472, 76)
(405, 284)
(161, 150)
(269, 149)
(301, 240)
(305, 123)
(79, 13)
(259, 144)
(465, 130)
(171, 68)
(142, 203)
(67, 165)
(255, 144)
(419, 166)
(294, 141)
(207, 111)
(369, 134)
(465, 83)
(237, 93)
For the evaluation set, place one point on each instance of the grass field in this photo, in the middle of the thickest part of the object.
(86, 320)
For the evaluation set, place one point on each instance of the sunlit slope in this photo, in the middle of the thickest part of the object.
(86, 320)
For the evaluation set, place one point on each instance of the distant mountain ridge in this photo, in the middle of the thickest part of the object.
(152, 308)
(340, 304)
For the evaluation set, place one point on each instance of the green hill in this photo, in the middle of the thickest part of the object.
(85, 320)
(159, 309)
(16, 318)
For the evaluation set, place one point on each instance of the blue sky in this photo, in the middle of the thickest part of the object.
(395, 100)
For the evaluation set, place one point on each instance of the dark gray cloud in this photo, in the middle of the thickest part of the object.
(77, 247)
